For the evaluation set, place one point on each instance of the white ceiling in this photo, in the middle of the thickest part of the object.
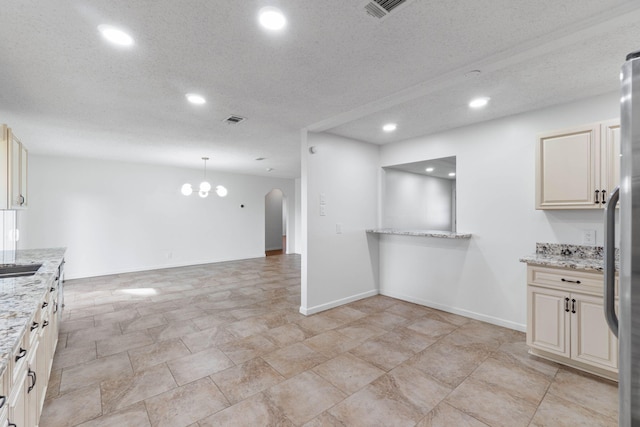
(334, 68)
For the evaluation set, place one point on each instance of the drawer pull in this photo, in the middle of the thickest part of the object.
(566, 304)
(22, 353)
(45, 304)
(604, 197)
(573, 306)
(52, 289)
(31, 375)
(45, 324)
(34, 325)
(570, 281)
(597, 198)
(2, 400)
(11, 425)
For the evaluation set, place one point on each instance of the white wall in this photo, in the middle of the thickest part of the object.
(117, 217)
(7, 236)
(482, 277)
(338, 268)
(298, 217)
(412, 200)
(273, 220)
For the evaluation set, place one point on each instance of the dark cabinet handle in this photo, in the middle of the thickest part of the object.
(573, 306)
(11, 425)
(604, 197)
(52, 289)
(55, 308)
(571, 281)
(597, 198)
(32, 375)
(45, 304)
(566, 304)
(22, 353)
(34, 325)
(45, 324)
(22, 199)
(2, 400)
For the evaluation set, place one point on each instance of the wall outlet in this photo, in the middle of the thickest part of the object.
(589, 237)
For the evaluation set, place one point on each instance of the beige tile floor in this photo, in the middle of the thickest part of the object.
(224, 345)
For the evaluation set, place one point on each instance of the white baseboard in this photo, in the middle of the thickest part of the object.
(322, 307)
(154, 267)
(466, 313)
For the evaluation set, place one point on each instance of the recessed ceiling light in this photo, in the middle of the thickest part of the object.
(115, 35)
(194, 98)
(452, 174)
(389, 127)
(272, 18)
(479, 102)
(429, 170)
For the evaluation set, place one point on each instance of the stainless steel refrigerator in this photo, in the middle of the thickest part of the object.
(627, 324)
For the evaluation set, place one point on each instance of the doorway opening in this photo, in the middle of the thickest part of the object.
(275, 223)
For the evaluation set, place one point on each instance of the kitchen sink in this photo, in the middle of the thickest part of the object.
(18, 270)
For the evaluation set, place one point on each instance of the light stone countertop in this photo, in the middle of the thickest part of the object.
(575, 257)
(420, 233)
(20, 297)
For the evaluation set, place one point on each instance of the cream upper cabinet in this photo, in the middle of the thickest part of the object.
(577, 168)
(13, 182)
(611, 157)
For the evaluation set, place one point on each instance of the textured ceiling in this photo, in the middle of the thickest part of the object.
(334, 68)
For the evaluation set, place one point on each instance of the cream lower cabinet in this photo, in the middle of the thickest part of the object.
(26, 378)
(4, 400)
(568, 326)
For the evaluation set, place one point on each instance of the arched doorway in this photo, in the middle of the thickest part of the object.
(275, 223)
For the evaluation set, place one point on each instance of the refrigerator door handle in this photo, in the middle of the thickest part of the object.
(610, 261)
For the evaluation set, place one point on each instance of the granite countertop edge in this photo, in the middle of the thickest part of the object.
(20, 297)
(420, 233)
(575, 257)
(565, 262)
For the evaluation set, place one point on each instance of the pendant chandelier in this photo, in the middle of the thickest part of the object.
(205, 186)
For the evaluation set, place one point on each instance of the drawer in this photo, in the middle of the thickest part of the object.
(18, 361)
(4, 393)
(566, 279)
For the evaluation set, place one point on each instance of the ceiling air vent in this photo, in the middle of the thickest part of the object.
(234, 120)
(380, 9)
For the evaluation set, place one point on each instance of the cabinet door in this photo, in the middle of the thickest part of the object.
(24, 168)
(18, 401)
(4, 398)
(548, 321)
(610, 156)
(14, 170)
(568, 169)
(591, 340)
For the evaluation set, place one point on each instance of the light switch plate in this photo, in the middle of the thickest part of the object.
(323, 199)
(589, 237)
(323, 210)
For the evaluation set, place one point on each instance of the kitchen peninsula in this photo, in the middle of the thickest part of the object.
(29, 322)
